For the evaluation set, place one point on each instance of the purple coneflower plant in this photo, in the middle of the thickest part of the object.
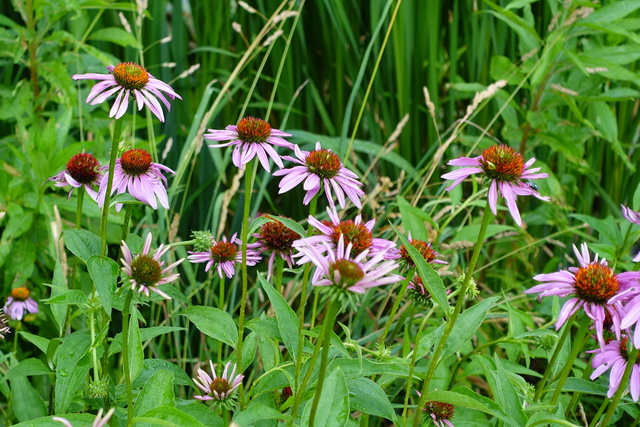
(592, 285)
(276, 238)
(224, 255)
(124, 79)
(19, 303)
(320, 169)
(633, 217)
(136, 174)
(82, 171)
(354, 233)
(100, 421)
(506, 171)
(615, 356)
(339, 269)
(251, 137)
(217, 388)
(145, 270)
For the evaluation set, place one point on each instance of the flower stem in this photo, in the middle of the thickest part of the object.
(631, 361)
(486, 219)
(117, 130)
(578, 343)
(554, 357)
(327, 329)
(221, 307)
(80, 201)
(248, 187)
(125, 224)
(126, 312)
(278, 276)
(394, 309)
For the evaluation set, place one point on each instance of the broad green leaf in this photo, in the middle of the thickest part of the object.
(287, 320)
(37, 340)
(505, 393)
(369, 398)
(158, 391)
(74, 297)
(354, 368)
(333, 407)
(125, 199)
(151, 366)
(114, 35)
(270, 353)
(104, 273)
(613, 11)
(584, 386)
(213, 322)
(430, 278)
(82, 243)
(167, 416)
(72, 362)
(27, 367)
(59, 311)
(203, 414)
(136, 355)
(466, 325)
(257, 412)
(75, 419)
(28, 404)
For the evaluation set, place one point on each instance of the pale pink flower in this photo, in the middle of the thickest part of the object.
(615, 357)
(251, 137)
(225, 255)
(506, 171)
(83, 170)
(19, 303)
(219, 387)
(592, 287)
(276, 238)
(136, 174)
(146, 271)
(633, 217)
(125, 79)
(321, 169)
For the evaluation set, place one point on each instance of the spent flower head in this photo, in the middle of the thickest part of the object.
(615, 357)
(321, 169)
(127, 79)
(217, 388)
(19, 303)
(136, 174)
(505, 171)
(83, 170)
(251, 137)
(146, 271)
(225, 255)
(592, 287)
(425, 249)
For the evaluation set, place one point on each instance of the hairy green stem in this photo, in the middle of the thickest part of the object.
(327, 329)
(79, 201)
(486, 219)
(117, 130)
(125, 223)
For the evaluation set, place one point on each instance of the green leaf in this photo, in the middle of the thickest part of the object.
(505, 393)
(167, 416)
(59, 311)
(151, 366)
(463, 397)
(126, 199)
(413, 219)
(466, 325)
(82, 243)
(37, 340)
(257, 412)
(136, 356)
(104, 273)
(288, 322)
(369, 398)
(157, 392)
(333, 407)
(213, 322)
(430, 278)
(203, 414)
(470, 232)
(27, 367)
(114, 35)
(613, 11)
(28, 404)
(72, 363)
(75, 297)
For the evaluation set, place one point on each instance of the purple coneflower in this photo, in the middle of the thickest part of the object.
(136, 174)
(425, 249)
(319, 169)
(224, 255)
(82, 171)
(615, 356)
(124, 79)
(506, 170)
(439, 412)
(19, 303)
(633, 217)
(4, 327)
(219, 387)
(592, 286)
(338, 268)
(251, 137)
(354, 233)
(276, 238)
(98, 422)
(145, 270)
